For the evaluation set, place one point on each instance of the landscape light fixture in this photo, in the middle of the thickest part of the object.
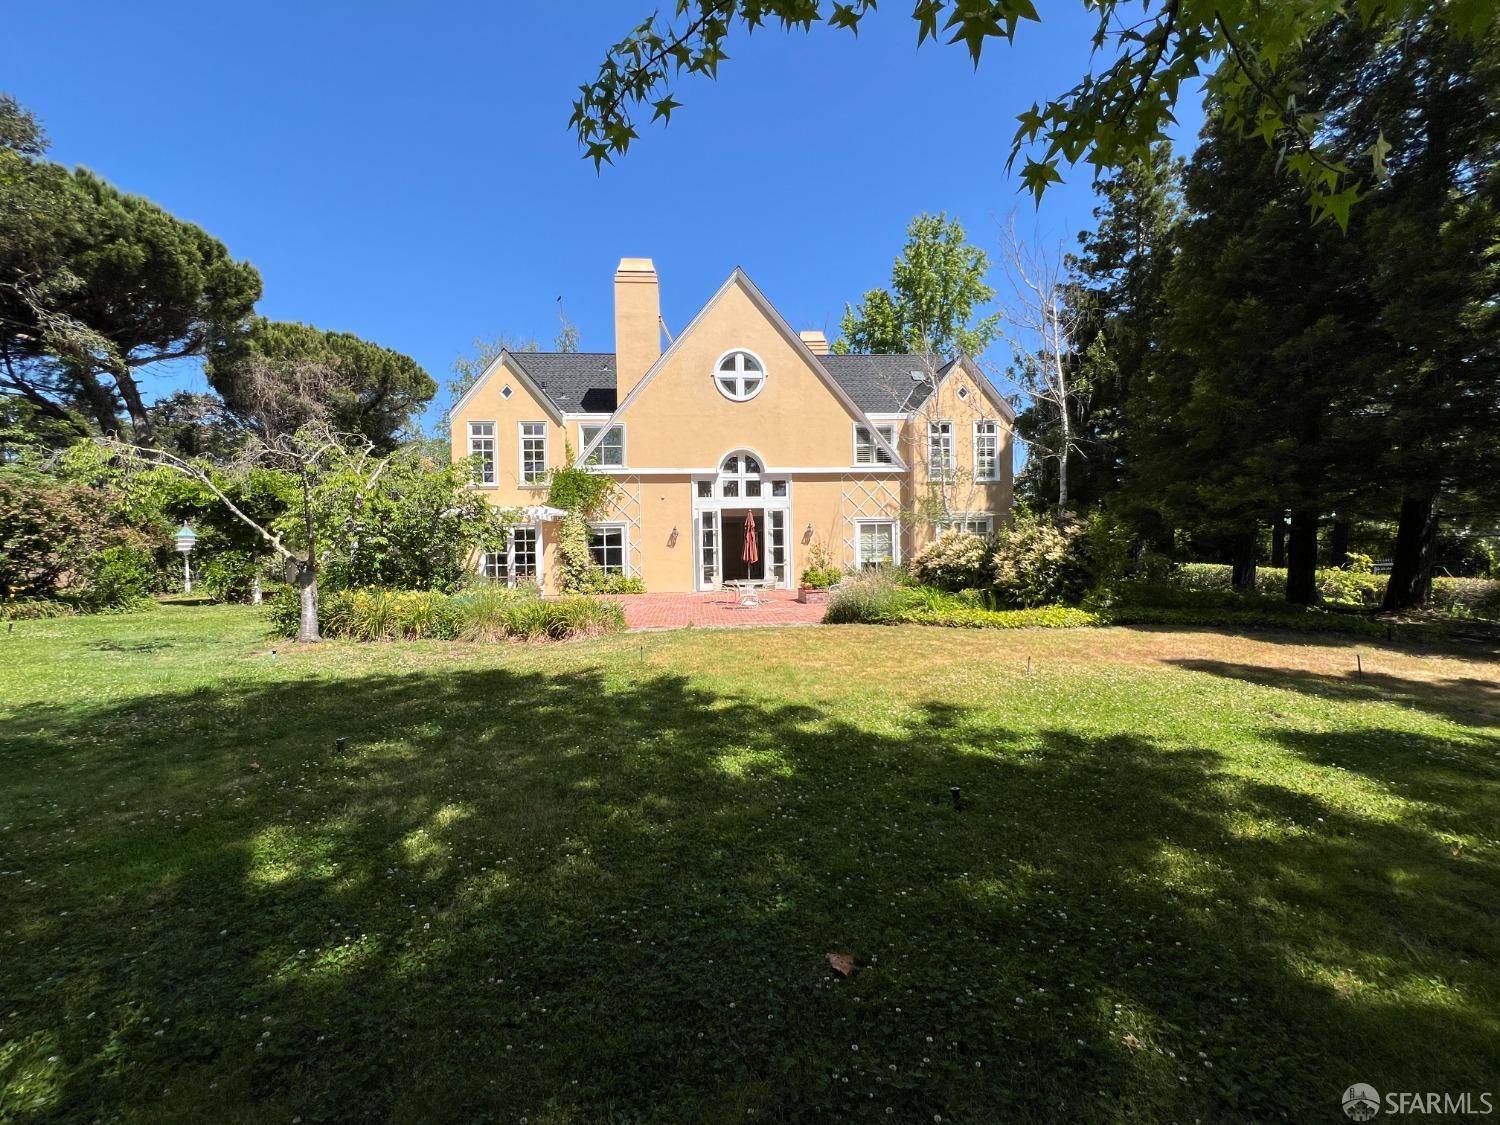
(185, 540)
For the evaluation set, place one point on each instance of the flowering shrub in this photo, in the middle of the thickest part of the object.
(1040, 562)
(955, 560)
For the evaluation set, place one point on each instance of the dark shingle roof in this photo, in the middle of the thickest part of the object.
(881, 384)
(578, 382)
(584, 382)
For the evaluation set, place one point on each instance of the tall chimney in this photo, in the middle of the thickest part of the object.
(637, 323)
(816, 342)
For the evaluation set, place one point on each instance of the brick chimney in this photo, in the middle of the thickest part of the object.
(816, 342)
(637, 322)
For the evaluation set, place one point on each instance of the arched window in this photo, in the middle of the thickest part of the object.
(740, 476)
(742, 479)
(740, 375)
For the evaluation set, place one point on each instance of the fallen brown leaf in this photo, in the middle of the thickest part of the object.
(843, 963)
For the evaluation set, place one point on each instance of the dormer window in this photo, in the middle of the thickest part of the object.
(740, 375)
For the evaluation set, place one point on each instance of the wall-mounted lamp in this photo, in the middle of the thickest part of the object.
(672, 539)
(807, 536)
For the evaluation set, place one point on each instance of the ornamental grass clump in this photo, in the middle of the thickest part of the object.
(870, 597)
(485, 613)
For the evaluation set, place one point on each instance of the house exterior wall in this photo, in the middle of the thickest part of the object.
(680, 418)
(679, 427)
(489, 403)
(961, 400)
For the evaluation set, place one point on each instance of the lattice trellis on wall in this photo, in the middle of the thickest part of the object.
(866, 498)
(625, 507)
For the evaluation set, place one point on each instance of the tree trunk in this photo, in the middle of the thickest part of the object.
(130, 394)
(97, 400)
(1410, 584)
(1242, 574)
(1338, 542)
(255, 591)
(307, 569)
(307, 586)
(1302, 558)
(1278, 541)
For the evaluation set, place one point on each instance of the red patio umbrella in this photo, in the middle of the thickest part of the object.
(752, 548)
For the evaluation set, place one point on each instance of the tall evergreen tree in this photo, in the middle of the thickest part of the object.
(1428, 239)
(1261, 349)
(375, 391)
(96, 284)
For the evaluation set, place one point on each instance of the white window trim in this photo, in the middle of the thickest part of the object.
(974, 449)
(510, 578)
(963, 518)
(469, 424)
(876, 451)
(859, 562)
(945, 472)
(765, 375)
(521, 440)
(604, 427)
(606, 525)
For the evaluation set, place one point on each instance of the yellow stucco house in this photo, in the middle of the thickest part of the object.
(864, 457)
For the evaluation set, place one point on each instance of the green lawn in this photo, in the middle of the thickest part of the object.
(1197, 877)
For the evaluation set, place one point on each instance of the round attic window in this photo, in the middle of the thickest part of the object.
(739, 375)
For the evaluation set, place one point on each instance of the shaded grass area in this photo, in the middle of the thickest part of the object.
(597, 881)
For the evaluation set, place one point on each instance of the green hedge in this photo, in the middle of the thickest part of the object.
(972, 617)
(1254, 615)
(1337, 587)
(1467, 597)
(875, 599)
(488, 613)
(1456, 597)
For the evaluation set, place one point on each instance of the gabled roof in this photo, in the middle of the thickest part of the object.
(793, 339)
(564, 382)
(576, 382)
(881, 384)
(980, 380)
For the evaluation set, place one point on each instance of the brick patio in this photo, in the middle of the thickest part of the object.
(715, 610)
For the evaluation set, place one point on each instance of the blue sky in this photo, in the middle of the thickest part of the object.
(404, 171)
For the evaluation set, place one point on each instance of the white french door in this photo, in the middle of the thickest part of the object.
(709, 569)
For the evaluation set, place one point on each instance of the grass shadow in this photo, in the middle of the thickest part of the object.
(597, 893)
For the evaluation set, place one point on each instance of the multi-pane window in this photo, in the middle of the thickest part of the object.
(939, 449)
(876, 543)
(610, 452)
(495, 565)
(482, 450)
(533, 452)
(776, 545)
(523, 553)
(708, 549)
(607, 548)
(986, 451)
(979, 525)
(740, 376)
(516, 563)
(867, 451)
(739, 476)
